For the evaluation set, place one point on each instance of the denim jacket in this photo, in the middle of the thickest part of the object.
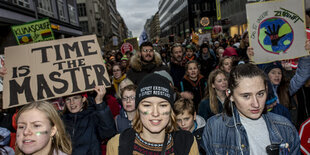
(220, 136)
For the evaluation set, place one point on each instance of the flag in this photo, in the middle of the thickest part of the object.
(46, 34)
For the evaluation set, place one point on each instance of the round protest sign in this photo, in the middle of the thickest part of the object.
(126, 47)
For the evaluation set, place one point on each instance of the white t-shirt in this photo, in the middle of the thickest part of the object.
(258, 135)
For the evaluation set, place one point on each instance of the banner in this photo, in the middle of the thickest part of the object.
(277, 30)
(204, 38)
(218, 10)
(52, 69)
(195, 38)
(133, 42)
(143, 37)
(35, 31)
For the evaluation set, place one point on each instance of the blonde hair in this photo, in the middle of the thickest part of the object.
(126, 81)
(61, 141)
(210, 91)
(172, 125)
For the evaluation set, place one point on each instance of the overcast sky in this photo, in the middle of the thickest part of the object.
(135, 13)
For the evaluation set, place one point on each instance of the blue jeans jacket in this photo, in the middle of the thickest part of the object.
(220, 136)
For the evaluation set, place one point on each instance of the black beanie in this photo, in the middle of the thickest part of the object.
(268, 67)
(154, 85)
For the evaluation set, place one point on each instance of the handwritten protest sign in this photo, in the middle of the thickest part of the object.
(277, 30)
(133, 42)
(35, 31)
(52, 69)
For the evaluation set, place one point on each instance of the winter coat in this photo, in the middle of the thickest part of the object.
(139, 69)
(122, 121)
(200, 124)
(205, 110)
(89, 128)
(197, 88)
(206, 64)
(177, 73)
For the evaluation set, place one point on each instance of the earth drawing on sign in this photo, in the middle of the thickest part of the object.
(275, 35)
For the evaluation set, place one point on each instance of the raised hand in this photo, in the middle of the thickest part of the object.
(273, 34)
(100, 93)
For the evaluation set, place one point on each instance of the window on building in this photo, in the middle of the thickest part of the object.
(61, 10)
(81, 9)
(72, 14)
(84, 26)
(23, 3)
(45, 7)
(96, 7)
(206, 7)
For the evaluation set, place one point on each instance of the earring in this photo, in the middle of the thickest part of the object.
(228, 91)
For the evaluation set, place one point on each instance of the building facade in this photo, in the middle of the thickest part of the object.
(61, 13)
(178, 18)
(101, 17)
(155, 28)
(233, 16)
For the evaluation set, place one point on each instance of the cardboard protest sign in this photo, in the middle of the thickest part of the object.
(51, 69)
(195, 38)
(35, 31)
(204, 38)
(126, 47)
(1, 65)
(277, 30)
(133, 42)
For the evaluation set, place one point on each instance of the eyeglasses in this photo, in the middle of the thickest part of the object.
(129, 98)
(74, 99)
(117, 70)
(148, 50)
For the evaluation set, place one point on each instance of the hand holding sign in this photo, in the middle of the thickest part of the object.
(101, 91)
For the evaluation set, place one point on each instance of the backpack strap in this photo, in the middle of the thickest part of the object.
(183, 141)
(126, 141)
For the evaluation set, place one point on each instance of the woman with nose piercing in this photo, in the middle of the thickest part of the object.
(40, 131)
(88, 121)
(154, 128)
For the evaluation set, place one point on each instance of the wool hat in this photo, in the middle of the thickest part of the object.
(154, 85)
(230, 51)
(268, 67)
(124, 58)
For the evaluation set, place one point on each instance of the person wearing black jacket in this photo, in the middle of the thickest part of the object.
(88, 125)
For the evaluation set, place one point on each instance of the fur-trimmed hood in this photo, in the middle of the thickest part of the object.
(137, 64)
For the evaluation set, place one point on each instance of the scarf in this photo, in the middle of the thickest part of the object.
(116, 82)
(180, 63)
(191, 58)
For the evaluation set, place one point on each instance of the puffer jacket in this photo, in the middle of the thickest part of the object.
(139, 69)
(89, 128)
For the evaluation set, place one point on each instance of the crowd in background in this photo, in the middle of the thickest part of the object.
(199, 76)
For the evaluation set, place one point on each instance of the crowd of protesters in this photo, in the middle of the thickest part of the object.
(174, 98)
